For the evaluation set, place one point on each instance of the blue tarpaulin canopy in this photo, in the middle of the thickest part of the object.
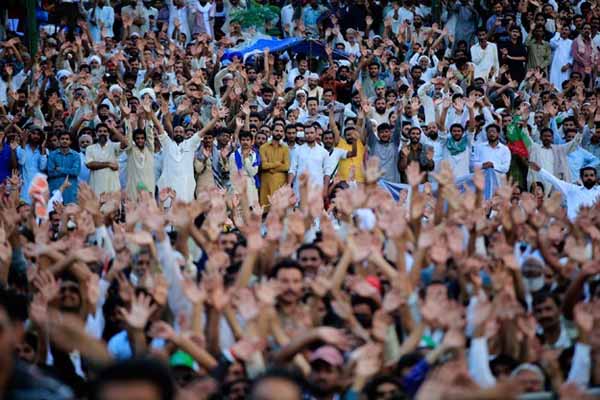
(308, 47)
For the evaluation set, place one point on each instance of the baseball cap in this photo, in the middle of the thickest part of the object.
(329, 354)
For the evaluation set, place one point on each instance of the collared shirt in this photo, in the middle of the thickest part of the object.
(322, 120)
(387, 152)
(575, 196)
(314, 160)
(105, 179)
(499, 156)
(31, 163)
(61, 166)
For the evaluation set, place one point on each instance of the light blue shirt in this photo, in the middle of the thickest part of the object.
(61, 166)
(84, 171)
(119, 347)
(581, 158)
(31, 162)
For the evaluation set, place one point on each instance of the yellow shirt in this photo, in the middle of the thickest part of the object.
(343, 169)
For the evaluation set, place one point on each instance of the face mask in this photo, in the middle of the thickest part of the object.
(534, 284)
(469, 289)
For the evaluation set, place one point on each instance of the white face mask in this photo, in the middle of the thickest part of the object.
(534, 284)
(470, 289)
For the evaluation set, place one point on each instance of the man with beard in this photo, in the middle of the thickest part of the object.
(140, 155)
(547, 312)
(275, 165)
(457, 149)
(313, 159)
(492, 154)
(415, 151)
(178, 157)
(325, 373)
(380, 113)
(313, 115)
(101, 19)
(384, 145)
(32, 158)
(574, 195)
(290, 309)
(102, 160)
(551, 157)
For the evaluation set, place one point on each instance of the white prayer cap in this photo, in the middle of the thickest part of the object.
(94, 58)
(63, 73)
(116, 88)
(149, 92)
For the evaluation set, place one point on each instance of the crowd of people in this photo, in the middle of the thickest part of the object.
(182, 220)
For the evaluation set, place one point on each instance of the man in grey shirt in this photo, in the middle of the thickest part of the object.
(385, 145)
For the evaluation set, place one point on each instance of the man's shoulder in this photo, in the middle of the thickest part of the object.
(29, 381)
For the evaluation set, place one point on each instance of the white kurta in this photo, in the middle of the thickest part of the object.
(561, 55)
(249, 171)
(314, 160)
(178, 166)
(140, 163)
(484, 60)
(499, 156)
(104, 180)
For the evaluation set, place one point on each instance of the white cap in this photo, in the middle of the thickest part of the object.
(149, 92)
(63, 73)
(115, 87)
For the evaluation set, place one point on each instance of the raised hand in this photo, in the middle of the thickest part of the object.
(139, 312)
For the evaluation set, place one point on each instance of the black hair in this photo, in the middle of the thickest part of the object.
(356, 300)
(101, 125)
(541, 297)
(496, 126)
(292, 377)
(383, 127)
(14, 304)
(456, 125)
(586, 168)
(286, 263)
(370, 389)
(147, 370)
(245, 134)
(310, 246)
(546, 130)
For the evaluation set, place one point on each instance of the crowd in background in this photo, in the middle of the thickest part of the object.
(183, 219)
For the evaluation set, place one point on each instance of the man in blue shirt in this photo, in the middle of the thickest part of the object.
(7, 155)
(64, 163)
(32, 159)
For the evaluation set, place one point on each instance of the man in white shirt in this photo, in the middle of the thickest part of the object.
(492, 154)
(312, 103)
(178, 158)
(102, 161)
(575, 196)
(484, 56)
(178, 11)
(302, 70)
(311, 158)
